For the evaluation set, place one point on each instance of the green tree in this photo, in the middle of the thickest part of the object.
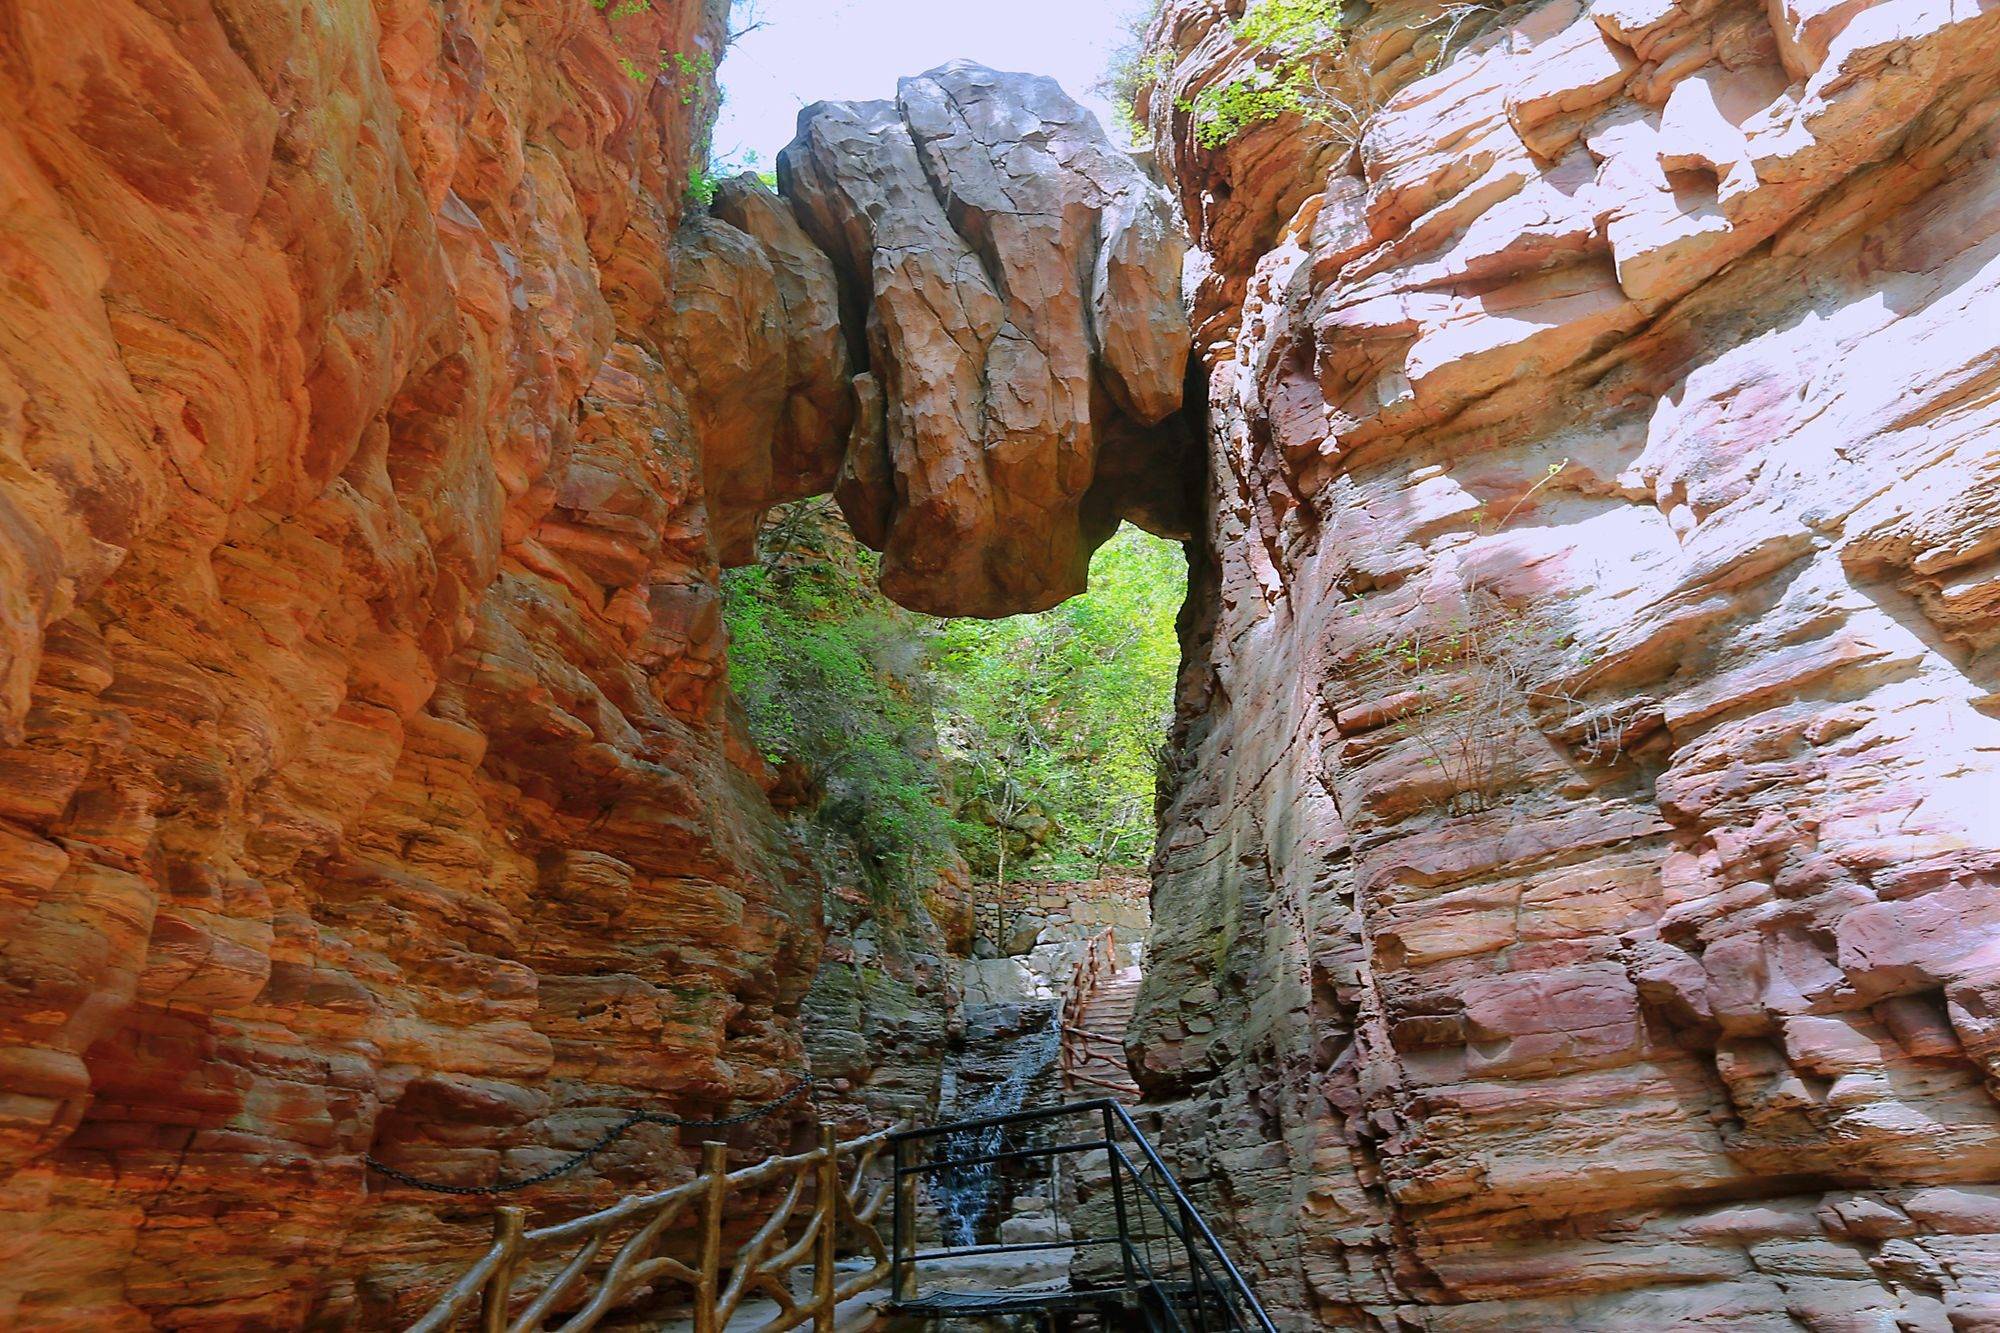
(1053, 721)
(1024, 744)
(833, 679)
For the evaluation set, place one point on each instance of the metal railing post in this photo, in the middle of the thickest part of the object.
(1111, 1160)
(1196, 1274)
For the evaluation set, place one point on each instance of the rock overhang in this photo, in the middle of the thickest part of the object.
(1007, 381)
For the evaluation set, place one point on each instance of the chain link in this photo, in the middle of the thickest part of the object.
(611, 1136)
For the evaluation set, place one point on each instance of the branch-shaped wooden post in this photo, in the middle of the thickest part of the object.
(715, 1175)
(509, 1221)
(826, 1209)
(845, 1204)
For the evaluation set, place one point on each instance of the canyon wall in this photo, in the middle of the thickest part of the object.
(370, 781)
(1578, 904)
(373, 428)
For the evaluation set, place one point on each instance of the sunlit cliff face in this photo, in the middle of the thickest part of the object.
(376, 426)
(1575, 901)
(370, 785)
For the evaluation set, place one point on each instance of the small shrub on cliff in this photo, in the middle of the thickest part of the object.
(1464, 683)
(1132, 70)
(1304, 68)
(1290, 40)
(1473, 685)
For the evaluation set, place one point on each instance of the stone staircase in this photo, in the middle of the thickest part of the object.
(1100, 1023)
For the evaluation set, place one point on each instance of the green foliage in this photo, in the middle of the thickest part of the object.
(1056, 719)
(692, 73)
(1224, 110)
(1290, 38)
(704, 178)
(1132, 70)
(1290, 28)
(830, 674)
(1021, 744)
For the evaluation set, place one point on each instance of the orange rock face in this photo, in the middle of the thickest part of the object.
(1579, 905)
(369, 781)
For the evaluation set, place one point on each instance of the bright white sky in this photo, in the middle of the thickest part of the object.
(840, 50)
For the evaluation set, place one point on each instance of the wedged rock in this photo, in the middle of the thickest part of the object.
(756, 342)
(1019, 279)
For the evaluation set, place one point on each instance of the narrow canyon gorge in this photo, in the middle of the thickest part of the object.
(1576, 902)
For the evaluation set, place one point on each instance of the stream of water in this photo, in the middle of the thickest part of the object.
(967, 1198)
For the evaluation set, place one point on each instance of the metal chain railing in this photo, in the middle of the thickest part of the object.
(611, 1136)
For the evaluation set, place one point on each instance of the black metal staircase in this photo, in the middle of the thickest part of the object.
(1140, 1255)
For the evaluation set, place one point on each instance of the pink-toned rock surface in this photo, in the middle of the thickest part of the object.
(371, 431)
(1660, 992)
(369, 783)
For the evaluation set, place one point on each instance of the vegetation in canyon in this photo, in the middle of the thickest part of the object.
(1133, 68)
(1018, 744)
(1301, 65)
(1290, 38)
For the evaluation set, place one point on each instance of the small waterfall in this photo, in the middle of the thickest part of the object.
(1015, 1058)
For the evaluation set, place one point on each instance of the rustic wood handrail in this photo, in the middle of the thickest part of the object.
(1098, 961)
(843, 1201)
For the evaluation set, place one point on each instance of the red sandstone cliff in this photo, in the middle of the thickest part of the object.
(1659, 989)
(373, 425)
(369, 782)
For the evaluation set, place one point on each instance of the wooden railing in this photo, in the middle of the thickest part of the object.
(582, 1292)
(1098, 960)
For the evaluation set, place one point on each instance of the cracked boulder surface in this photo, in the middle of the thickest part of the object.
(1013, 283)
(1654, 348)
(756, 340)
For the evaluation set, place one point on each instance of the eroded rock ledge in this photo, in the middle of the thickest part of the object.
(1660, 993)
(971, 331)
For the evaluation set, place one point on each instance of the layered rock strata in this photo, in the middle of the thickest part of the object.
(369, 781)
(372, 429)
(1579, 897)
